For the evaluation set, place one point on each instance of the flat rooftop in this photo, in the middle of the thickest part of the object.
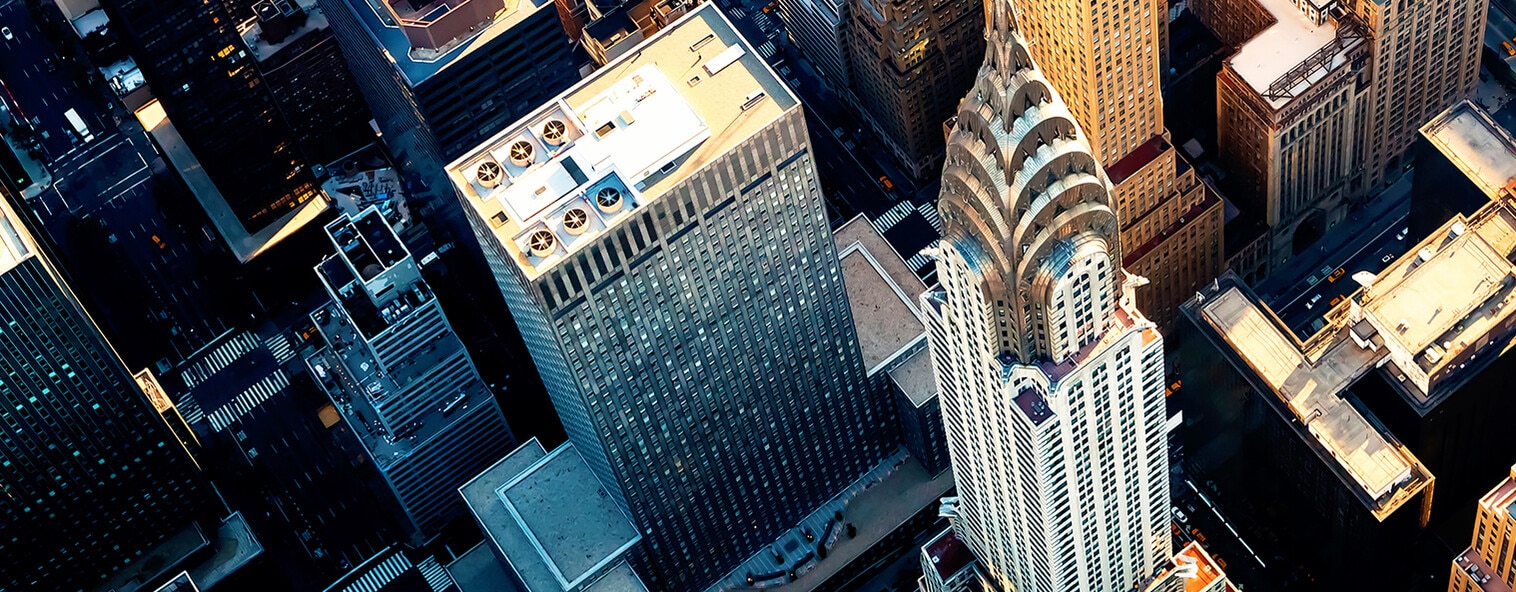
(915, 377)
(1484, 577)
(477, 570)
(882, 293)
(619, 139)
(420, 65)
(1469, 138)
(1208, 576)
(1277, 49)
(1446, 300)
(550, 516)
(1311, 384)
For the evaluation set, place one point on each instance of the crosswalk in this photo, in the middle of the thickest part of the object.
(190, 409)
(249, 399)
(219, 358)
(381, 575)
(435, 575)
(279, 344)
(891, 218)
(921, 259)
(929, 211)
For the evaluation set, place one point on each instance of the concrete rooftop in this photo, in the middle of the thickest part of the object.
(16, 243)
(1292, 38)
(882, 293)
(417, 67)
(1471, 139)
(633, 129)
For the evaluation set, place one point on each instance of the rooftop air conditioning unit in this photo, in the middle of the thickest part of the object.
(542, 243)
(488, 174)
(521, 153)
(576, 221)
(608, 199)
(554, 132)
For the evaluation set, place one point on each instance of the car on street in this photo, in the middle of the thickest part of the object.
(1402, 233)
(1387, 258)
(1179, 515)
(6, 33)
(1312, 302)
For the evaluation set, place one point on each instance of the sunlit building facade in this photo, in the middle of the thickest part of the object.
(1050, 379)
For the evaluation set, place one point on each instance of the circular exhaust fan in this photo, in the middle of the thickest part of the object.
(608, 199)
(521, 153)
(542, 243)
(488, 174)
(576, 221)
(554, 131)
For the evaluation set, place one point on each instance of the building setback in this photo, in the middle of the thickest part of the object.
(660, 237)
(1102, 57)
(400, 377)
(1489, 564)
(91, 474)
(1050, 379)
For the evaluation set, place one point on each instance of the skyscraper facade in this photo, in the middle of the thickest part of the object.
(90, 476)
(660, 237)
(210, 86)
(1490, 561)
(1050, 379)
(819, 29)
(911, 62)
(400, 376)
(1102, 57)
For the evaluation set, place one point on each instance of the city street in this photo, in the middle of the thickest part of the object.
(36, 86)
(1361, 243)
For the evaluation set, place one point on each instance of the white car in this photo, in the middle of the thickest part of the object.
(1312, 303)
(6, 32)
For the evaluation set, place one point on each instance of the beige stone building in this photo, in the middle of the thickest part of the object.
(1489, 564)
(1320, 103)
(1103, 59)
(912, 60)
(1287, 113)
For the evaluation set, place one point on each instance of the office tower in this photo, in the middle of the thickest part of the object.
(1425, 59)
(1191, 570)
(1102, 57)
(660, 238)
(551, 524)
(819, 28)
(1319, 107)
(399, 375)
(912, 60)
(1051, 380)
(217, 121)
(441, 78)
(1489, 563)
(1464, 159)
(304, 70)
(90, 476)
(1286, 132)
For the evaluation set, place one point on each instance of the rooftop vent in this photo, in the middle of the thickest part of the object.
(488, 174)
(576, 221)
(521, 153)
(553, 132)
(608, 199)
(542, 243)
(1425, 254)
(1459, 228)
(753, 99)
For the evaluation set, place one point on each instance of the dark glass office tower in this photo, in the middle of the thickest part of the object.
(209, 85)
(90, 477)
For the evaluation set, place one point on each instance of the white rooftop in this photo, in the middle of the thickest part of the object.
(619, 139)
(1292, 38)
